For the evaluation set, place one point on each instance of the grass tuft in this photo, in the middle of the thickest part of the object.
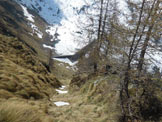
(18, 112)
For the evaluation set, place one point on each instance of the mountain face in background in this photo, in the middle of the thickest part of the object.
(62, 16)
(65, 18)
(16, 21)
(61, 31)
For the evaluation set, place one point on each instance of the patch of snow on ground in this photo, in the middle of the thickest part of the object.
(27, 14)
(47, 46)
(31, 34)
(62, 87)
(75, 68)
(61, 103)
(61, 92)
(66, 60)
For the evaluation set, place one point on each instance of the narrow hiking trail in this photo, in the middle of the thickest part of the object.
(71, 106)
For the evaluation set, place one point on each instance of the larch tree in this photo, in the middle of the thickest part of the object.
(142, 23)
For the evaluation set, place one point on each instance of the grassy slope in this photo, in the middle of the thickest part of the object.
(23, 77)
(25, 84)
(62, 70)
(102, 92)
(16, 111)
(21, 71)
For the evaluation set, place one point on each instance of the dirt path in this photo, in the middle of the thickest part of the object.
(76, 111)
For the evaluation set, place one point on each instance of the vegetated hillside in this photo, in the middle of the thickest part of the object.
(103, 91)
(26, 84)
(22, 55)
(22, 77)
(13, 22)
(63, 71)
(22, 73)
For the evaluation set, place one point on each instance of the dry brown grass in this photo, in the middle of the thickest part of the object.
(102, 93)
(61, 71)
(23, 77)
(22, 74)
(89, 103)
(21, 112)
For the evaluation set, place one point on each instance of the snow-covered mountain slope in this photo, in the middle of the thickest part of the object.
(62, 15)
(48, 9)
(65, 18)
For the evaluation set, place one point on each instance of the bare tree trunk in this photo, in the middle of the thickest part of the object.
(97, 48)
(124, 93)
(148, 35)
(100, 21)
(135, 35)
(126, 79)
(141, 61)
(100, 27)
(104, 21)
(142, 33)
